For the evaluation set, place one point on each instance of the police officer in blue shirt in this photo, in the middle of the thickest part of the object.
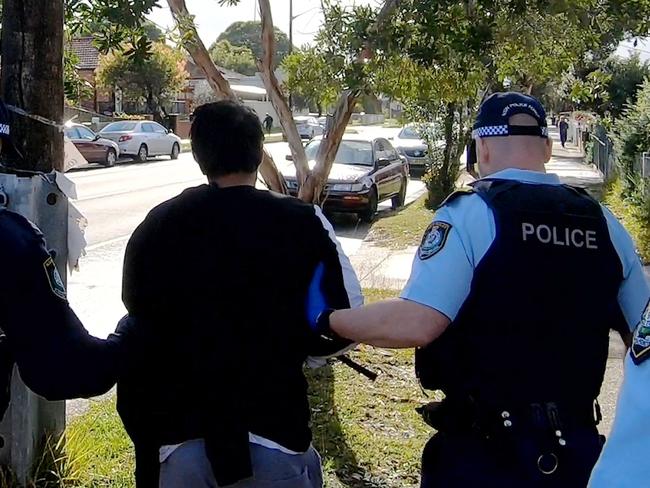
(512, 294)
(623, 462)
(57, 358)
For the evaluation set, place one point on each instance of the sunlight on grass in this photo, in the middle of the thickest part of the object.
(404, 228)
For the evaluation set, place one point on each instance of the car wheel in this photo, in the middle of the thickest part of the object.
(176, 149)
(398, 200)
(111, 158)
(368, 215)
(143, 154)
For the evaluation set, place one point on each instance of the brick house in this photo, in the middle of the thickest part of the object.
(101, 101)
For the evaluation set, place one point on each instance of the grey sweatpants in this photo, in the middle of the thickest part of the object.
(188, 467)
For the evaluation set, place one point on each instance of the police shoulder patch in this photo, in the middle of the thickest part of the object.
(434, 239)
(640, 350)
(54, 279)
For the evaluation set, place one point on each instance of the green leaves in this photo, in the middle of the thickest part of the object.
(152, 79)
(249, 35)
(111, 22)
(236, 58)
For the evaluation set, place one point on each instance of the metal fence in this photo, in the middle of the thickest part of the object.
(602, 151)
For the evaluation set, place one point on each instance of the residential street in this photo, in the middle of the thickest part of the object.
(115, 200)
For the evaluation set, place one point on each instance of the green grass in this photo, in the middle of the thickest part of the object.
(402, 228)
(100, 449)
(368, 433)
(631, 216)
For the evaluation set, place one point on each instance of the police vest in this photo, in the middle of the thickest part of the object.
(535, 326)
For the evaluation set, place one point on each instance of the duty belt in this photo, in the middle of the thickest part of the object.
(466, 415)
(543, 422)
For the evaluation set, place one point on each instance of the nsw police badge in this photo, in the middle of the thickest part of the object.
(54, 279)
(640, 350)
(434, 239)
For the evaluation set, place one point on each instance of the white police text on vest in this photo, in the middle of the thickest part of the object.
(559, 236)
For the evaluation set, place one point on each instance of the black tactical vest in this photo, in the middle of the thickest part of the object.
(535, 325)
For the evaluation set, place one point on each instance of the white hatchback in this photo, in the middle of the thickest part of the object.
(308, 127)
(141, 139)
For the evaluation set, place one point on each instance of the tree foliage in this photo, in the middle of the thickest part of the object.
(441, 57)
(236, 58)
(310, 76)
(153, 80)
(249, 34)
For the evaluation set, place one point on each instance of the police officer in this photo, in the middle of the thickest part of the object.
(513, 291)
(56, 356)
(623, 462)
(217, 278)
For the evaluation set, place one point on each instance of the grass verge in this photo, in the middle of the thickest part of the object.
(403, 228)
(631, 216)
(368, 433)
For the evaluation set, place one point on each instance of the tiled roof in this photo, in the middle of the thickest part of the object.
(87, 53)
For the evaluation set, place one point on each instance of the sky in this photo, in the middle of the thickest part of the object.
(212, 19)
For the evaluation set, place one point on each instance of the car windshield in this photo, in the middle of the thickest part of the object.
(119, 127)
(350, 152)
(409, 133)
(301, 121)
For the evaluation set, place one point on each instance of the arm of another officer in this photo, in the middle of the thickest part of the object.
(56, 356)
(439, 284)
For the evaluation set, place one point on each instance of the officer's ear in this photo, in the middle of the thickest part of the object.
(548, 150)
(482, 151)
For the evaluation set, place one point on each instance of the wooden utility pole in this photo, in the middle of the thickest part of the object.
(32, 83)
(32, 77)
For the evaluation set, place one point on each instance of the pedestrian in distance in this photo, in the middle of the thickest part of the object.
(564, 130)
(513, 292)
(268, 123)
(217, 278)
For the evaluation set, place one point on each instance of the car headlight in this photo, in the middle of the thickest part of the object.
(342, 187)
(292, 184)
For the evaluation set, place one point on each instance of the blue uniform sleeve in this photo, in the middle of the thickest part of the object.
(634, 292)
(623, 462)
(443, 269)
(56, 356)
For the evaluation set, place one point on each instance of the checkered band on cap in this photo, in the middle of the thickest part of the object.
(544, 131)
(4, 129)
(490, 131)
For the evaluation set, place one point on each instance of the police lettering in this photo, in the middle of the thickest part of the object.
(559, 236)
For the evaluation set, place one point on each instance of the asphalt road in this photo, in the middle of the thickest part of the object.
(115, 200)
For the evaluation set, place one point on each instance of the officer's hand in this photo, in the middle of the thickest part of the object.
(316, 300)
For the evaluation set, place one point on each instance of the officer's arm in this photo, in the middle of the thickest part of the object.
(56, 356)
(395, 323)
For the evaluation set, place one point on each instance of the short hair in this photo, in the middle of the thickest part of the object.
(227, 138)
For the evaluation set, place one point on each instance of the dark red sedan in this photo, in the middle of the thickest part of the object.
(366, 171)
(91, 146)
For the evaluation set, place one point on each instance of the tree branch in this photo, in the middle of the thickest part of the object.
(279, 101)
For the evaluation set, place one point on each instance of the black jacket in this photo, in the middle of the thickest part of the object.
(217, 280)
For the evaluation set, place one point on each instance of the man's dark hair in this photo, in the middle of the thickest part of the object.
(227, 138)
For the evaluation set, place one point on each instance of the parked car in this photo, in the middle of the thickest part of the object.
(308, 127)
(91, 146)
(142, 139)
(366, 171)
(410, 144)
